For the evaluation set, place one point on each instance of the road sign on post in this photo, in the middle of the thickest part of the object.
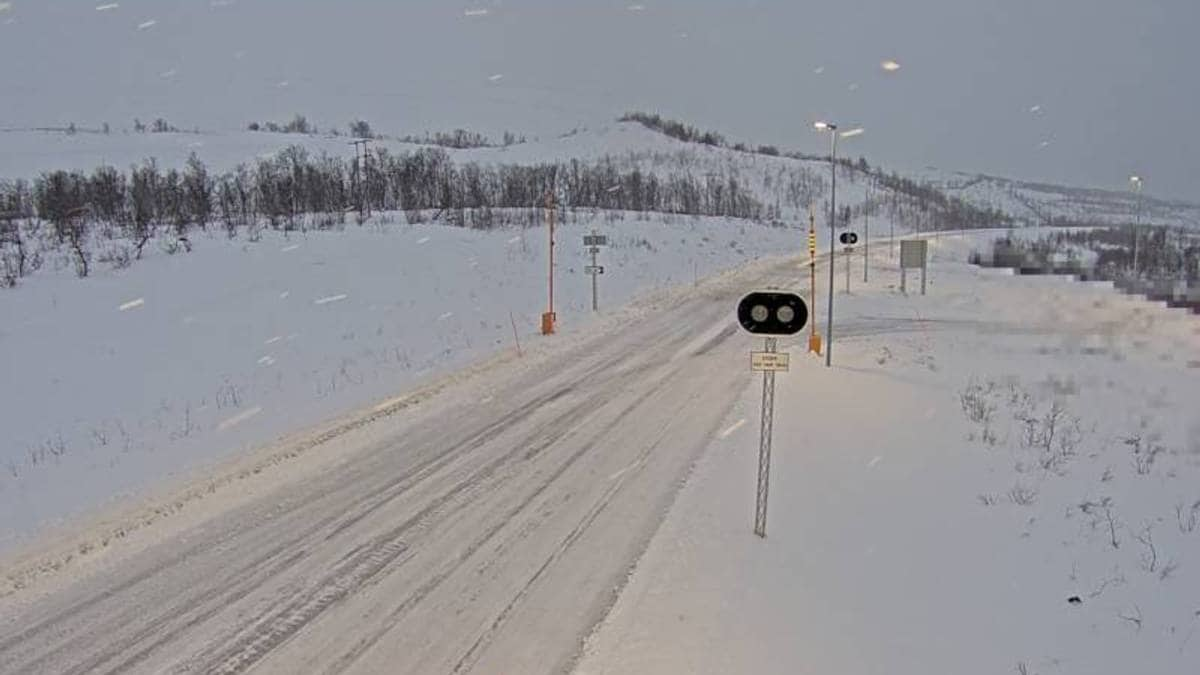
(768, 362)
(913, 255)
(593, 242)
(770, 314)
(849, 239)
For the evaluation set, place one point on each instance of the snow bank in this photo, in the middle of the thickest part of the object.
(923, 519)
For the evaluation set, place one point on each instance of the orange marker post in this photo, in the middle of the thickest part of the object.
(548, 317)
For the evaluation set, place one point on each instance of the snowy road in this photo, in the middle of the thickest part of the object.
(490, 535)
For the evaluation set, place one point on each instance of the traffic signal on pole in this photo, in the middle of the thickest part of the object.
(772, 313)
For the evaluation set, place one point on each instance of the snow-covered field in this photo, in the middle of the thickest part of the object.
(118, 380)
(1000, 477)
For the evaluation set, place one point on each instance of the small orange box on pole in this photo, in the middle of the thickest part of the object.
(547, 323)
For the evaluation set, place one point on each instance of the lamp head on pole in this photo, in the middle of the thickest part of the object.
(825, 126)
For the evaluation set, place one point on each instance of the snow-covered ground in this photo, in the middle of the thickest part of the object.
(113, 382)
(922, 519)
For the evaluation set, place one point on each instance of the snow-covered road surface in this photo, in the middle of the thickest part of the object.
(489, 528)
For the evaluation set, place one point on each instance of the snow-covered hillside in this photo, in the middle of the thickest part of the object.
(28, 153)
(1039, 204)
(1000, 477)
(116, 380)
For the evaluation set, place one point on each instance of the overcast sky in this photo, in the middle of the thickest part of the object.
(1073, 91)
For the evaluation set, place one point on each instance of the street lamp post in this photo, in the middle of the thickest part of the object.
(867, 232)
(1136, 183)
(833, 138)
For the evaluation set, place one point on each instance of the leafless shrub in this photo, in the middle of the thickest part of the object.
(172, 246)
(1134, 617)
(1167, 570)
(1102, 513)
(988, 499)
(228, 396)
(1022, 496)
(187, 427)
(977, 405)
(1145, 452)
(100, 436)
(1149, 557)
(1186, 517)
(1117, 579)
(1112, 527)
(117, 256)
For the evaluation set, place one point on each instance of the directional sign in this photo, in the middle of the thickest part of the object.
(848, 238)
(594, 269)
(595, 240)
(772, 313)
(775, 362)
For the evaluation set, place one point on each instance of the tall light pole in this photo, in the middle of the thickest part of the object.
(867, 231)
(1136, 183)
(833, 138)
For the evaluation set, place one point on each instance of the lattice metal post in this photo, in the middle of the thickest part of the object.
(764, 445)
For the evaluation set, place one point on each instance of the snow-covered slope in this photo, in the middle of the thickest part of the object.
(27, 153)
(1034, 204)
(1000, 477)
(116, 380)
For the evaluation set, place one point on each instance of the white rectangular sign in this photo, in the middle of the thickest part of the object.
(598, 269)
(769, 361)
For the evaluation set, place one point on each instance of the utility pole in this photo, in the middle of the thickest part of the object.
(833, 136)
(364, 205)
(1136, 182)
(867, 231)
(548, 318)
(892, 225)
(832, 243)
